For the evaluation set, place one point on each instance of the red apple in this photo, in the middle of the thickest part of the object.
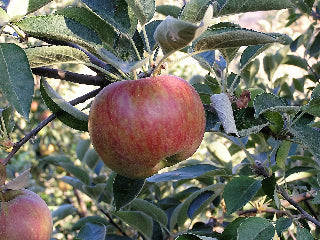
(24, 215)
(139, 126)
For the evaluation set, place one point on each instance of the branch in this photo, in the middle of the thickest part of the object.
(267, 210)
(45, 122)
(71, 76)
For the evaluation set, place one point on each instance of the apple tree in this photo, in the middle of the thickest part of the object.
(130, 171)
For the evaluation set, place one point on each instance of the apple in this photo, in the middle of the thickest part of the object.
(24, 215)
(138, 127)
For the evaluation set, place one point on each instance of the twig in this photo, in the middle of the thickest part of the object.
(299, 198)
(45, 122)
(267, 210)
(71, 76)
(295, 204)
(111, 221)
(82, 205)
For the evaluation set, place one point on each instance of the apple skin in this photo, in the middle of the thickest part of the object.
(140, 126)
(24, 215)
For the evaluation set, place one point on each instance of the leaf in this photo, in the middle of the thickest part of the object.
(64, 111)
(269, 186)
(282, 224)
(7, 115)
(230, 232)
(250, 53)
(308, 137)
(91, 158)
(188, 172)
(239, 191)
(219, 37)
(173, 34)
(303, 234)
(116, 13)
(19, 182)
(143, 9)
(60, 28)
(198, 206)
(74, 182)
(267, 102)
(62, 212)
(239, 6)
(167, 10)
(50, 55)
(255, 228)
(4, 17)
(92, 231)
(194, 10)
(191, 236)
(94, 191)
(82, 148)
(313, 107)
(91, 20)
(151, 210)
(246, 123)
(17, 84)
(198, 201)
(118, 63)
(138, 220)
(314, 48)
(125, 190)
(221, 103)
(282, 154)
(90, 219)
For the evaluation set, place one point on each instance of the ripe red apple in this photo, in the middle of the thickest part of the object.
(139, 126)
(24, 215)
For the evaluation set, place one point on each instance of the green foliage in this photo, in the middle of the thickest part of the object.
(262, 143)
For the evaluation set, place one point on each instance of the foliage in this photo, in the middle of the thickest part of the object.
(263, 129)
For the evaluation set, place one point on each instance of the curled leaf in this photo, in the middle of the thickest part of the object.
(19, 182)
(221, 103)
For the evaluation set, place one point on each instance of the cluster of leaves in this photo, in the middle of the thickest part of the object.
(122, 40)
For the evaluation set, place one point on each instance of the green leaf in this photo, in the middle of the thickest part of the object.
(7, 115)
(91, 219)
(91, 20)
(308, 137)
(303, 234)
(60, 28)
(17, 84)
(94, 191)
(125, 190)
(173, 34)
(267, 102)
(82, 148)
(269, 185)
(194, 205)
(282, 224)
(92, 231)
(188, 172)
(313, 107)
(36, 4)
(250, 53)
(194, 10)
(246, 123)
(219, 37)
(230, 232)
(255, 228)
(169, 10)
(74, 182)
(239, 191)
(295, 61)
(50, 55)
(116, 13)
(143, 9)
(64, 111)
(91, 158)
(314, 48)
(239, 6)
(138, 220)
(151, 210)
(62, 212)
(282, 154)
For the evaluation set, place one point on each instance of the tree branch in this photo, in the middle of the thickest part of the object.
(45, 122)
(71, 76)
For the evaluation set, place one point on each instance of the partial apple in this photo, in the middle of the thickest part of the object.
(24, 215)
(140, 126)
